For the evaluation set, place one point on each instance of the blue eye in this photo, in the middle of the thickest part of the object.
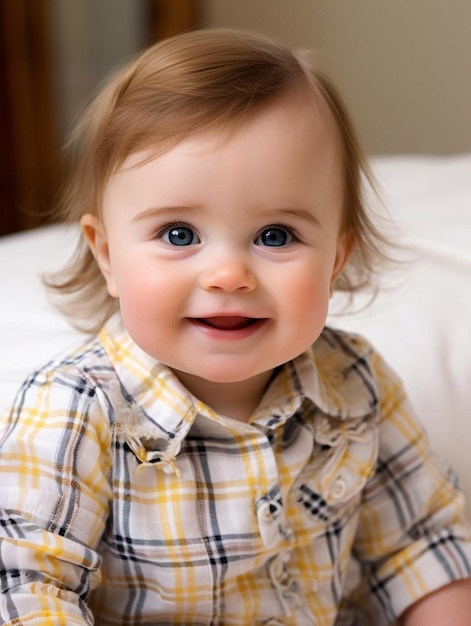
(274, 237)
(180, 236)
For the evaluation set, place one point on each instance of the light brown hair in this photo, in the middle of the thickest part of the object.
(190, 83)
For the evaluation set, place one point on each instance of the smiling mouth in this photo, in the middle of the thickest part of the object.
(228, 323)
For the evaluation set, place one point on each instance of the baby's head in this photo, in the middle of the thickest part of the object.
(205, 81)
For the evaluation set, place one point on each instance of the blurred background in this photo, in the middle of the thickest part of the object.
(404, 67)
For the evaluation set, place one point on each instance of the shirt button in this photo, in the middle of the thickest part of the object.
(339, 488)
(265, 514)
(270, 510)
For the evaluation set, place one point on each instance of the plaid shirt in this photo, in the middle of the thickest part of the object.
(125, 500)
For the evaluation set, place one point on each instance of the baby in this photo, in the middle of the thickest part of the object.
(214, 454)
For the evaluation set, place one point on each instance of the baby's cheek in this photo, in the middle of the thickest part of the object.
(308, 295)
(305, 312)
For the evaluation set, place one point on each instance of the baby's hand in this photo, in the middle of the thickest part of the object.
(448, 606)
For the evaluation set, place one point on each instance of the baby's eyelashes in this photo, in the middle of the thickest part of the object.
(178, 235)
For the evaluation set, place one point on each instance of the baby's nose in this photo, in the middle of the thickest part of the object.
(229, 275)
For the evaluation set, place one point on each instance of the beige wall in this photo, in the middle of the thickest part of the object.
(91, 39)
(404, 65)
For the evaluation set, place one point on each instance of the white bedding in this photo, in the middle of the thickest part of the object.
(421, 322)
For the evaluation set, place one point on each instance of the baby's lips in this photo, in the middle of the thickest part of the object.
(227, 322)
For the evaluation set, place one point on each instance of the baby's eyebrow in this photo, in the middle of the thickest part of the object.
(287, 212)
(164, 211)
(182, 210)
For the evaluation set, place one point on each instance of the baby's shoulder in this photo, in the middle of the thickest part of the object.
(340, 354)
(342, 342)
(87, 359)
(353, 376)
(72, 392)
(340, 350)
(83, 370)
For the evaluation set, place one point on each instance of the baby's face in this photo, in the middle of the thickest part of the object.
(223, 250)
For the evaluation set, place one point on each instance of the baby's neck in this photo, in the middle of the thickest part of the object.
(237, 400)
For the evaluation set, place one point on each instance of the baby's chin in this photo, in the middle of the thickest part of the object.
(222, 378)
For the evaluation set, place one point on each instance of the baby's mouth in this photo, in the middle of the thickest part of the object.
(229, 322)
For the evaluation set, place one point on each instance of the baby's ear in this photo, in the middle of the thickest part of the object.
(345, 246)
(95, 236)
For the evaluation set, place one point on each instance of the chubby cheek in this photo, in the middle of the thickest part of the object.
(150, 304)
(306, 302)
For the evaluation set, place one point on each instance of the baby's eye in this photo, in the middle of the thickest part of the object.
(274, 237)
(179, 236)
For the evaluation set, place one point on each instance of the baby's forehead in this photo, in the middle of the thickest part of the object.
(310, 114)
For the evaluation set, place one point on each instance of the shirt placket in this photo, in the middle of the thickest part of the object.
(278, 538)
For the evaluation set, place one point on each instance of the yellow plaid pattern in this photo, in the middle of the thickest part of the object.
(125, 500)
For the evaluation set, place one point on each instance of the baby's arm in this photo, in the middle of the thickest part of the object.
(413, 539)
(54, 495)
(449, 606)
